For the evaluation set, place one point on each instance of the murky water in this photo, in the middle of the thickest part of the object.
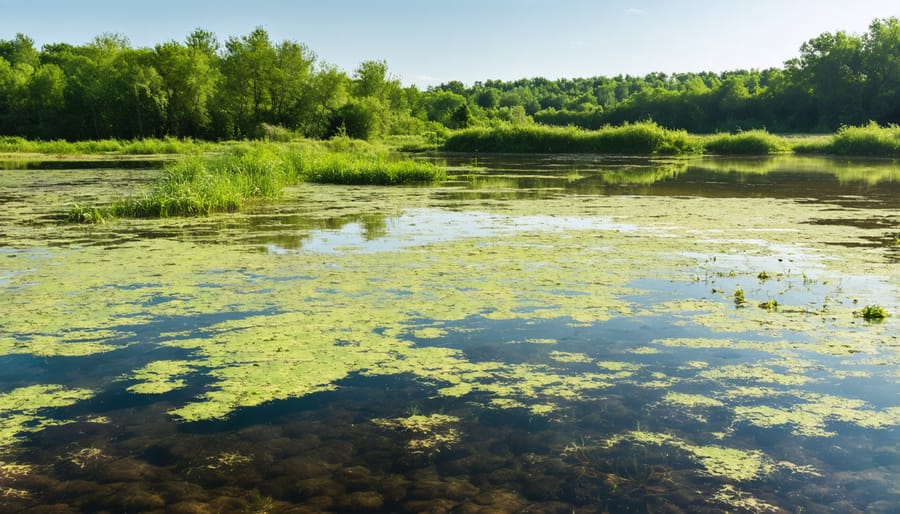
(540, 334)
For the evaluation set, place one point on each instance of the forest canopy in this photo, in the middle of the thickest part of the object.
(251, 87)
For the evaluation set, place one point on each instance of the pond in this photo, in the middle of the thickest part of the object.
(540, 334)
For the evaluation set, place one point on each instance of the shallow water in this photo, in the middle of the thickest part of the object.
(540, 334)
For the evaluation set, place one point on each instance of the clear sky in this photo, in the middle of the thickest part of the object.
(426, 42)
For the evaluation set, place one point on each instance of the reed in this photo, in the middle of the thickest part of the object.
(646, 138)
(751, 142)
(198, 185)
(871, 140)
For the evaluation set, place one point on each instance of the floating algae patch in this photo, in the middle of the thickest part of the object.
(811, 417)
(159, 377)
(24, 410)
(717, 461)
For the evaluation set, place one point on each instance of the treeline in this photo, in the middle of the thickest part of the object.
(251, 87)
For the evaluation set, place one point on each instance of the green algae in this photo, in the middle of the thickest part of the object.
(160, 377)
(24, 410)
(717, 461)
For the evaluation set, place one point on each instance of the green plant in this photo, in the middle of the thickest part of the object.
(873, 313)
(752, 142)
(739, 298)
(769, 305)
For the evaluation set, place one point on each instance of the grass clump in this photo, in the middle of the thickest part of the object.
(873, 313)
(751, 142)
(646, 138)
(870, 140)
(375, 169)
(198, 185)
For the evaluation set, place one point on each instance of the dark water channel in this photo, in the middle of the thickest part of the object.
(537, 334)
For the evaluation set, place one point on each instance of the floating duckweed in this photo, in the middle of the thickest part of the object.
(21, 409)
(430, 333)
(159, 377)
(691, 400)
(753, 373)
(810, 418)
(727, 463)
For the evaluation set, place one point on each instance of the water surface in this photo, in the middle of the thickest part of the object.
(541, 333)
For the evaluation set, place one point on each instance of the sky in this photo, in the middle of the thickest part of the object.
(428, 42)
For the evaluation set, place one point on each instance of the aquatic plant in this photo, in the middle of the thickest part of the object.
(873, 313)
(198, 185)
(866, 140)
(739, 298)
(379, 169)
(769, 305)
(751, 142)
(645, 138)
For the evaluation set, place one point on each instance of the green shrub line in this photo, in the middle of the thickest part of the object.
(198, 185)
(649, 138)
(646, 138)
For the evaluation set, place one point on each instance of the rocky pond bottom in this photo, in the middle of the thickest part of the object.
(544, 335)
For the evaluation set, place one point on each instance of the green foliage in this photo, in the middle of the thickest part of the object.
(199, 89)
(372, 169)
(873, 313)
(151, 146)
(868, 140)
(645, 138)
(752, 142)
(198, 185)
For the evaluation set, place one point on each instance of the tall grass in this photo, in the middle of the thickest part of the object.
(15, 144)
(646, 138)
(751, 142)
(378, 169)
(870, 140)
(199, 185)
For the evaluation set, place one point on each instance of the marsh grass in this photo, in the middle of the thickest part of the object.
(751, 142)
(646, 138)
(870, 140)
(198, 185)
(168, 146)
(376, 169)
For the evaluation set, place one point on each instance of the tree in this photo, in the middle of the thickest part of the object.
(249, 70)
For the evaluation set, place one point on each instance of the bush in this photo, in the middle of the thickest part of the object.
(870, 140)
(646, 138)
(752, 142)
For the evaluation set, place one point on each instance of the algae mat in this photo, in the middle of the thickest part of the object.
(509, 301)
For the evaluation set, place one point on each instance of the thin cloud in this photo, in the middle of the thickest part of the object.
(632, 11)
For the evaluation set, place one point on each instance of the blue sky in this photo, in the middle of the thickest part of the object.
(427, 42)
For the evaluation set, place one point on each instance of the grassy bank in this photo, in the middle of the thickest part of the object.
(870, 140)
(649, 138)
(200, 185)
(632, 139)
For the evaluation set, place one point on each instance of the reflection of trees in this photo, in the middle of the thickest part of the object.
(292, 231)
(869, 171)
